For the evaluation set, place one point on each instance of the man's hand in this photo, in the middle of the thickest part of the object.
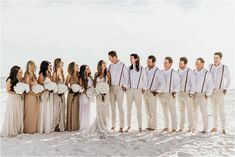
(154, 93)
(225, 91)
(124, 89)
(143, 91)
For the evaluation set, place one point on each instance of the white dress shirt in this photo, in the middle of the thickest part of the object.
(207, 88)
(220, 75)
(187, 80)
(137, 79)
(155, 82)
(119, 74)
(172, 81)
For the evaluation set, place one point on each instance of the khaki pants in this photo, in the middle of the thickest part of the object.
(185, 102)
(200, 100)
(217, 102)
(168, 105)
(116, 99)
(151, 109)
(134, 95)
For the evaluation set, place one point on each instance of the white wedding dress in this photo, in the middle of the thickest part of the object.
(85, 112)
(101, 124)
(45, 123)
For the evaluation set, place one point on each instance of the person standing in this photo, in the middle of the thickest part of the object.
(155, 85)
(167, 98)
(136, 87)
(119, 83)
(73, 98)
(59, 99)
(204, 89)
(13, 121)
(101, 125)
(221, 78)
(187, 89)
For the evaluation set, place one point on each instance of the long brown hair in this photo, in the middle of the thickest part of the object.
(99, 70)
(56, 67)
(29, 70)
(74, 75)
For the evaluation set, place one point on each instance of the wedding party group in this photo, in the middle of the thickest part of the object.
(53, 102)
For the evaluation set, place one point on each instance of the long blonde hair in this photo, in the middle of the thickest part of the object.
(56, 67)
(29, 70)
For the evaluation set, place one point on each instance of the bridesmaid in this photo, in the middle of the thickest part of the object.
(73, 99)
(45, 124)
(31, 104)
(86, 82)
(59, 101)
(13, 122)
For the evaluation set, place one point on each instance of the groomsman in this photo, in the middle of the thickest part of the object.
(204, 88)
(167, 98)
(155, 84)
(220, 75)
(187, 89)
(136, 86)
(119, 83)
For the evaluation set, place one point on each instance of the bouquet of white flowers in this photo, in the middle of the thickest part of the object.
(102, 88)
(77, 88)
(91, 92)
(37, 88)
(21, 88)
(62, 88)
(51, 86)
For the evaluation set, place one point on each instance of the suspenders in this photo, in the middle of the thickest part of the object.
(153, 79)
(170, 81)
(221, 80)
(138, 79)
(204, 81)
(222, 75)
(121, 76)
(186, 81)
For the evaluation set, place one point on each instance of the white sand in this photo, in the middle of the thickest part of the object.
(130, 144)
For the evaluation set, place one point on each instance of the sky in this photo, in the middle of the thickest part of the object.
(85, 31)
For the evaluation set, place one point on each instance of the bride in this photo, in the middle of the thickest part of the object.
(102, 79)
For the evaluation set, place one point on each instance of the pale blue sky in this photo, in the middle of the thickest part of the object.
(85, 31)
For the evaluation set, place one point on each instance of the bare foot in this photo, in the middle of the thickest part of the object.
(165, 129)
(121, 130)
(128, 129)
(214, 130)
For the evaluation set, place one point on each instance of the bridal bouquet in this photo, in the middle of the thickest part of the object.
(102, 88)
(91, 92)
(77, 88)
(37, 88)
(62, 88)
(51, 87)
(21, 88)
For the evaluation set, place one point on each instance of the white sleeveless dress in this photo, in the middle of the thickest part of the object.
(45, 123)
(13, 122)
(85, 111)
(101, 124)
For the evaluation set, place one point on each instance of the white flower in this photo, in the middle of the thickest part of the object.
(62, 88)
(21, 88)
(37, 88)
(77, 88)
(51, 86)
(91, 92)
(102, 88)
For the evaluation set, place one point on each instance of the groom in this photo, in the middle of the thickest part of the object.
(119, 82)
